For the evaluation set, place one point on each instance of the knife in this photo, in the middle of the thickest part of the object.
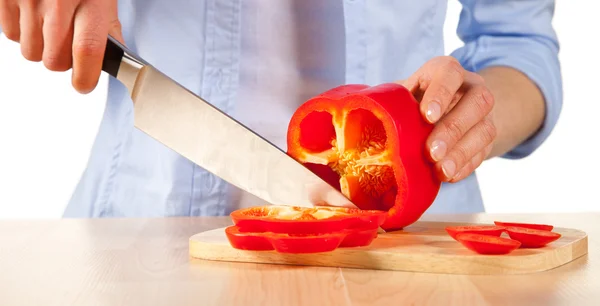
(200, 132)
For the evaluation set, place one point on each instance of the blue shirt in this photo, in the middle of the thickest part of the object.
(259, 60)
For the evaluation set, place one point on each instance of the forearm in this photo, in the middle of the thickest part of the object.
(519, 107)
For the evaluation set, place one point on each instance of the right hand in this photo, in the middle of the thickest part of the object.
(64, 34)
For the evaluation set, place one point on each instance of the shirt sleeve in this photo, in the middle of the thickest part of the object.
(518, 34)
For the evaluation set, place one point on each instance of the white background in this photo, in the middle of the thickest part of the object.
(46, 130)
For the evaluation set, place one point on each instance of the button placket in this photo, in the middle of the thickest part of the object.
(356, 41)
(219, 84)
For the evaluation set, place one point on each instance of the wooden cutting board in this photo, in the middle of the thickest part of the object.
(421, 247)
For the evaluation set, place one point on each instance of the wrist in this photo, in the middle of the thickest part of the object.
(519, 108)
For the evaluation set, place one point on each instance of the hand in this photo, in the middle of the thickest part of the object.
(63, 34)
(459, 104)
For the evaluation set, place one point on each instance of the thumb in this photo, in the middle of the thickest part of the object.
(413, 85)
(402, 82)
(410, 84)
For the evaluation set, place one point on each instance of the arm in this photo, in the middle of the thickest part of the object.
(519, 110)
(500, 94)
(513, 46)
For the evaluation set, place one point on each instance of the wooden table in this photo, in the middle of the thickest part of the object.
(146, 262)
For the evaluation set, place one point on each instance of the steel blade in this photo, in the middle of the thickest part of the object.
(197, 130)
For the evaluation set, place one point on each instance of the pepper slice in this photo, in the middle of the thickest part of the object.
(489, 230)
(304, 220)
(359, 237)
(298, 243)
(543, 227)
(369, 143)
(532, 238)
(247, 240)
(488, 245)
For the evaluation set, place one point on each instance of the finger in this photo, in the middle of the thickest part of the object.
(473, 164)
(89, 41)
(58, 37)
(471, 109)
(474, 141)
(9, 20)
(446, 80)
(115, 28)
(31, 38)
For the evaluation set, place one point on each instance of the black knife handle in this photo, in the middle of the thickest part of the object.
(112, 56)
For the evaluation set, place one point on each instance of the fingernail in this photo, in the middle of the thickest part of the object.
(449, 168)
(438, 150)
(433, 111)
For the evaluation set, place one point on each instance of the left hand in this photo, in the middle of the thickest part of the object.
(459, 104)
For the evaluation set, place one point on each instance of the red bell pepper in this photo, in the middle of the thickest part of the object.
(485, 239)
(359, 237)
(369, 143)
(247, 240)
(532, 238)
(488, 245)
(242, 239)
(303, 220)
(489, 230)
(544, 227)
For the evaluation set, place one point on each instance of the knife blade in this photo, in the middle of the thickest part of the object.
(200, 132)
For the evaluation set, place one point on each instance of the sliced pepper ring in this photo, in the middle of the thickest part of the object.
(359, 237)
(532, 238)
(299, 243)
(369, 143)
(488, 245)
(543, 227)
(304, 220)
(489, 230)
